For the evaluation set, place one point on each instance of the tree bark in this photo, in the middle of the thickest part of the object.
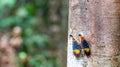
(99, 21)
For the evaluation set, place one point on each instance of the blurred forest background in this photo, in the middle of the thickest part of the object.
(33, 33)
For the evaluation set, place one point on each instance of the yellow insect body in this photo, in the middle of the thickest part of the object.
(76, 51)
(87, 49)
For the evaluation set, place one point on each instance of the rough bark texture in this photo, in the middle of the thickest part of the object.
(99, 21)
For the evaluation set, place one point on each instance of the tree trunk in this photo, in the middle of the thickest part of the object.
(99, 21)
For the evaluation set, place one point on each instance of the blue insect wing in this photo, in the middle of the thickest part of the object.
(75, 46)
(85, 44)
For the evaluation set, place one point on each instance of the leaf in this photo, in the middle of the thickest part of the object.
(7, 22)
(31, 21)
(22, 12)
(28, 32)
(9, 3)
(31, 9)
(22, 55)
(48, 64)
(40, 40)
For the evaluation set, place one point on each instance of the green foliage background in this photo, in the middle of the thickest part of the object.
(44, 30)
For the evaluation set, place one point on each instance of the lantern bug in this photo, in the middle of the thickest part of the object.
(85, 45)
(76, 47)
